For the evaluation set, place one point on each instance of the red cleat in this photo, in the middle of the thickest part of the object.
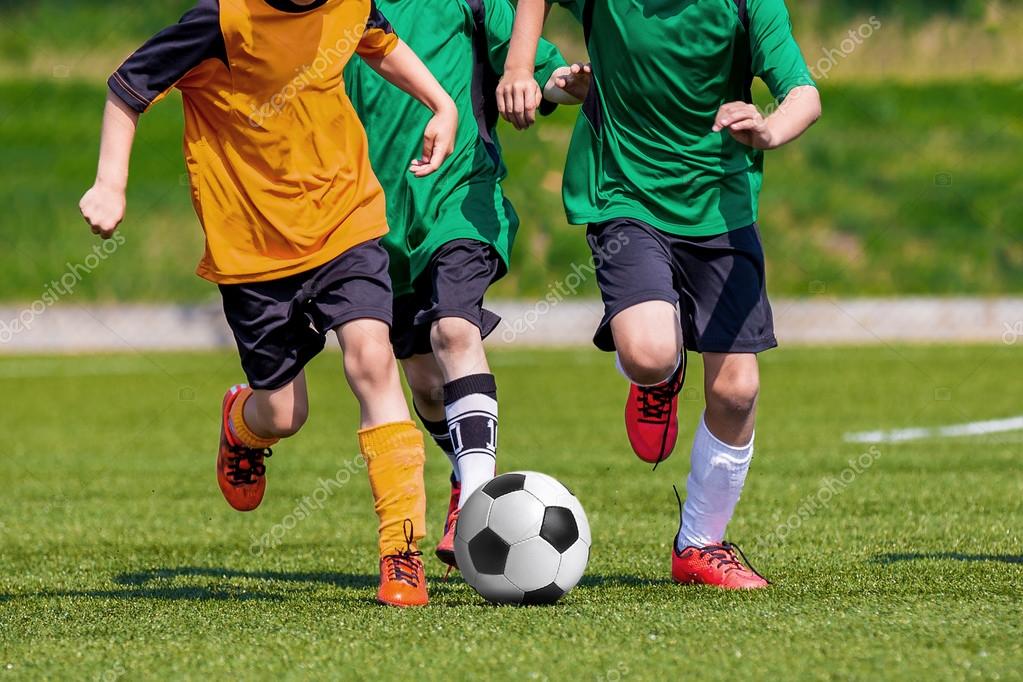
(241, 471)
(651, 417)
(715, 565)
(446, 547)
(402, 576)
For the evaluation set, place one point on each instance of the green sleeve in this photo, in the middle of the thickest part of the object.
(500, 18)
(777, 59)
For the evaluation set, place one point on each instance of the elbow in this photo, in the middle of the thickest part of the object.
(816, 108)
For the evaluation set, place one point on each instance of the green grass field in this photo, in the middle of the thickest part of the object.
(119, 559)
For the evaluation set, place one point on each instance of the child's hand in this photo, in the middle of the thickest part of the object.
(438, 141)
(518, 97)
(103, 209)
(568, 84)
(746, 124)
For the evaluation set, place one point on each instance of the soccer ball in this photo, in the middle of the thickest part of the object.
(522, 538)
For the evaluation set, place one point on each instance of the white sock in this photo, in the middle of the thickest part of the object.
(470, 404)
(716, 476)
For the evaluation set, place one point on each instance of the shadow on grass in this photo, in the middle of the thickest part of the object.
(892, 558)
(153, 584)
(455, 592)
(344, 580)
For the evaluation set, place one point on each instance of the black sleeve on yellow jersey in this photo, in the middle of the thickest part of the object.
(169, 55)
(377, 19)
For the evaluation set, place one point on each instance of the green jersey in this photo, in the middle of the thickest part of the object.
(643, 146)
(464, 43)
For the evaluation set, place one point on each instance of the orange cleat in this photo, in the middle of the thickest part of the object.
(715, 565)
(241, 471)
(651, 417)
(446, 547)
(402, 577)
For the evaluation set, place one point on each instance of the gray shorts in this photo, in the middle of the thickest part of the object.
(717, 282)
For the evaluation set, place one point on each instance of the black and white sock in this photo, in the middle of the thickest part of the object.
(438, 430)
(470, 404)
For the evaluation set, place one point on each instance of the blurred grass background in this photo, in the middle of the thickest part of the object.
(912, 182)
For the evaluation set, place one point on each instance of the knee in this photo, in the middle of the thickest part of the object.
(369, 362)
(649, 363)
(734, 395)
(453, 335)
(285, 420)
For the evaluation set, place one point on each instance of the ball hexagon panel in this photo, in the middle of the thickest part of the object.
(573, 565)
(559, 528)
(544, 487)
(504, 484)
(488, 552)
(474, 515)
(516, 516)
(532, 564)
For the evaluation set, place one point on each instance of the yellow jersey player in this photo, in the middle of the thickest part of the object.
(293, 215)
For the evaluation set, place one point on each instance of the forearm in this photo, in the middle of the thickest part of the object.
(799, 111)
(530, 16)
(118, 135)
(403, 69)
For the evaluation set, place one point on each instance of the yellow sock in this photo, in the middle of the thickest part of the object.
(394, 455)
(240, 429)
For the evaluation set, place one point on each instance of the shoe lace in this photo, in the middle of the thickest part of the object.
(654, 402)
(404, 564)
(724, 555)
(252, 457)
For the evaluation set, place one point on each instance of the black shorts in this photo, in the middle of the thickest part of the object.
(453, 285)
(282, 324)
(717, 282)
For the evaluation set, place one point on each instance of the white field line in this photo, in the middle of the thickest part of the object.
(952, 431)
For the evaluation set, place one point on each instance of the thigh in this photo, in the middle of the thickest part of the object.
(724, 301)
(651, 323)
(634, 266)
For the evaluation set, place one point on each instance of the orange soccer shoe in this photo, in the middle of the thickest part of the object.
(241, 471)
(402, 577)
(715, 565)
(651, 417)
(446, 547)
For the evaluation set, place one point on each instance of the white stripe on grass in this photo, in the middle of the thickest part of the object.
(953, 431)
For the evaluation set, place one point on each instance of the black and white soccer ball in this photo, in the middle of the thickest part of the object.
(522, 538)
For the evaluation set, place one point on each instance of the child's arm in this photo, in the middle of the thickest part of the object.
(404, 69)
(568, 84)
(103, 205)
(777, 60)
(744, 122)
(518, 95)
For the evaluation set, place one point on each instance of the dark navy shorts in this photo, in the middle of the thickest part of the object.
(717, 282)
(282, 324)
(453, 285)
